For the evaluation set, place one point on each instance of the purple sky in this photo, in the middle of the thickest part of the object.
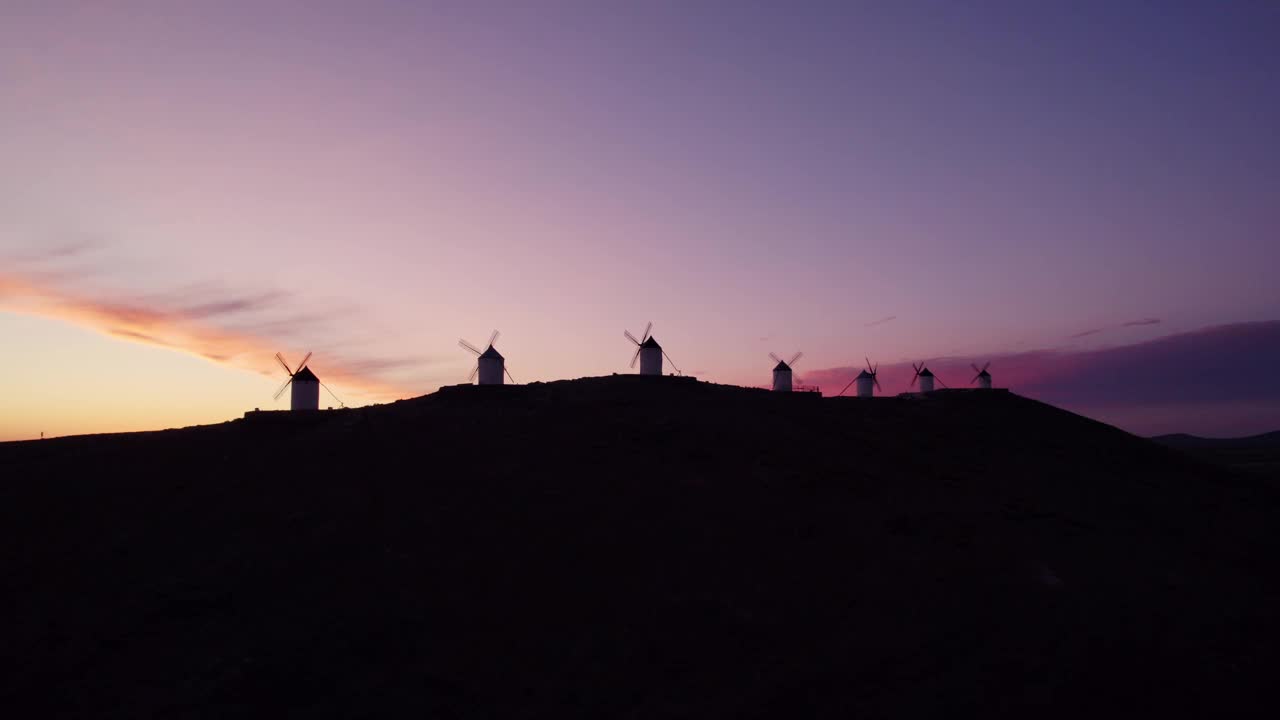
(901, 180)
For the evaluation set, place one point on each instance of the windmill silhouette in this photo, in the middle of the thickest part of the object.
(865, 380)
(782, 372)
(981, 377)
(490, 365)
(306, 386)
(649, 353)
(925, 377)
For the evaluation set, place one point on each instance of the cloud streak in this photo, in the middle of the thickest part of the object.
(881, 321)
(57, 251)
(1132, 323)
(1086, 333)
(212, 322)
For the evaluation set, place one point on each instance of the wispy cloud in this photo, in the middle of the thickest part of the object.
(218, 308)
(138, 336)
(881, 321)
(57, 250)
(1131, 323)
(1086, 333)
(223, 325)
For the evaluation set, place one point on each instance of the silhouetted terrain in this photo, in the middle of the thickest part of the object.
(1182, 440)
(633, 547)
(1257, 454)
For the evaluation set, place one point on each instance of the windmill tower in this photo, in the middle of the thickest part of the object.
(866, 380)
(782, 372)
(490, 365)
(925, 377)
(306, 386)
(649, 353)
(983, 378)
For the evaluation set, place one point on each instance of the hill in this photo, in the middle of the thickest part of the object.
(636, 548)
(1256, 454)
(1182, 440)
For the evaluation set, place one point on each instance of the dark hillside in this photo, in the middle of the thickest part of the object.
(636, 548)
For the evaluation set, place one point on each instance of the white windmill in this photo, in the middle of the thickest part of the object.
(983, 378)
(925, 377)
(866, 380)
(649, 353)
(782, 372)
(490, 365)
(306, 386)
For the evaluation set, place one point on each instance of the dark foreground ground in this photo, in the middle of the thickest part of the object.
(636, 548)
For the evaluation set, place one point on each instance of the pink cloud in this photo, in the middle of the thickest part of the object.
(218, 325)
(1214, 380)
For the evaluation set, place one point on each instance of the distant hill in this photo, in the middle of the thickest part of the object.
(1182, 440)
(635, 547)
(1257, 454)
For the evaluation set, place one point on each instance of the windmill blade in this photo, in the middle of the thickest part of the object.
(914, 379)
(474, 370)
(984, 367)
(916, 368)
(304, 362)
(775, 358)
(935, 377)
(635, 357)
(282, 388)
(333, 395)
(630, 337)
(509, 377)
(468, 346)
(875, 380)
(794, 358)
(864, 357)
(647, 329)
(494, 338)
(846, 387)
(283, 364)
(975, 378)
(975, 368)
(673, 362)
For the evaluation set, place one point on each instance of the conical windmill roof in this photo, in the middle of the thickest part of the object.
(305, 374)
(925, 373)
(781, 366)
(491, 354)
(984, 373)
(864, 375)
(650, 343)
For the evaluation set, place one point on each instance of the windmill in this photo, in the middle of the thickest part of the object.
(490, 365)
(925, 377)
(782, 372)
(649, 353)
(865, 380)
(982, 377)
(306, 386)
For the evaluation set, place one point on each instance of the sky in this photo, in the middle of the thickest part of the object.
(1083, 194)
